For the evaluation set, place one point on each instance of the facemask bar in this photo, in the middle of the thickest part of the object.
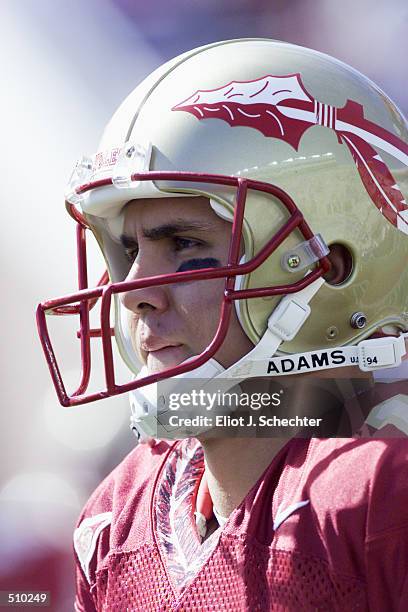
(82, 301)
(82, 309)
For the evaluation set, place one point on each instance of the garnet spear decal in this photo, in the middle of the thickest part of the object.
(280, 107)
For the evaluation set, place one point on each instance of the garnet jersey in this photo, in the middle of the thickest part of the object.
(324, 528)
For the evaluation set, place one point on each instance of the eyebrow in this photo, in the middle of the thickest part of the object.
(167, 230)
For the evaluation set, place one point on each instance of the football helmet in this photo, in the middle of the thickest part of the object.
(302, 154)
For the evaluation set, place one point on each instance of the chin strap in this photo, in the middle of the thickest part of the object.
(283, 324)
(146, 407)
(369, 355)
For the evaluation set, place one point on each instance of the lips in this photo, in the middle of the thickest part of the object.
(166, 357)
(153, 344)
(161, 354)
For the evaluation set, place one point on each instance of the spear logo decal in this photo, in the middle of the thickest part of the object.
(280, 107)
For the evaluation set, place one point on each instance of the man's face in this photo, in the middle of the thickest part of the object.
(171, 323)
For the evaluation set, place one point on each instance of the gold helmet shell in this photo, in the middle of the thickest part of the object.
(303, 121)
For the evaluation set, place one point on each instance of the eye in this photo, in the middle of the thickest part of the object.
(181, 244)
(131, 253)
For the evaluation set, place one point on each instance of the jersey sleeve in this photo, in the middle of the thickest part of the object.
(387, 530)
(83, 597)
(387, 571)
(107, 515)
(403, 600)
(91, 544)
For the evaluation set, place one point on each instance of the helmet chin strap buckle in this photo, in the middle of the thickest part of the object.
(288, 317)
(380, 353)
(283, 324)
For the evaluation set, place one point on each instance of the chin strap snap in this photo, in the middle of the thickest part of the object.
(380, 353)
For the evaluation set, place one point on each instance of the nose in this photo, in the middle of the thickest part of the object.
(141, 301)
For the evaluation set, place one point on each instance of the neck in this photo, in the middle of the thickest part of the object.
(233, 465)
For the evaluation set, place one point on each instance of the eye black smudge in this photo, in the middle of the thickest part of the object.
(199, 264)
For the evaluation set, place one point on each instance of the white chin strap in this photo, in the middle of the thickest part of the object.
(149, 416)
(149, 413)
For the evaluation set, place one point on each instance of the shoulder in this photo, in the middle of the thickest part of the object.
(132, 474)
(372, 452)
(366, 460)
(364, 475)
(121, 499)
(353, 496)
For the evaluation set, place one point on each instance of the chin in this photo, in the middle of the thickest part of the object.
(165, 358)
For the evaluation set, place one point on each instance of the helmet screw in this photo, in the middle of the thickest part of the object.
(145, 408)
(332, 332)
(358, 320)
(130, 151)
(293, 261)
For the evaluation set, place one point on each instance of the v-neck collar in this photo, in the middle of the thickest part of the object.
(180, 546)
(173, 504)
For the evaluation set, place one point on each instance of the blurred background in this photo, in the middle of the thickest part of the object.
(65, 67)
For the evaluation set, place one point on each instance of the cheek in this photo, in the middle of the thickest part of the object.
(199, 305)
(200, 312)
(199, 297)
(132, 323)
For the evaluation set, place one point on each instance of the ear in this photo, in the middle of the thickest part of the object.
(342, 264)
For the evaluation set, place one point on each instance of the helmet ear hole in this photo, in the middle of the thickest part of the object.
(341, 260)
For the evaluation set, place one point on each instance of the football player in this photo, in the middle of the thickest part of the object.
(249, 198)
